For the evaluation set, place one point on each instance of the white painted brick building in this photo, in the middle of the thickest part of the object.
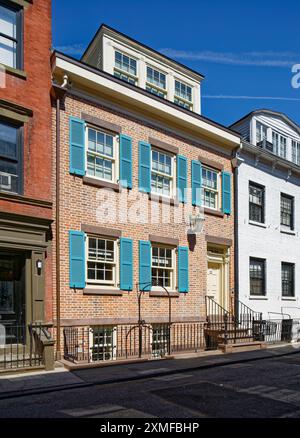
(268, 203)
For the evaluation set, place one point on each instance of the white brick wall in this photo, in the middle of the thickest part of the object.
(268, 242)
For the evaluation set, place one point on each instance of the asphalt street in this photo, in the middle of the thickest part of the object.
(268, 388)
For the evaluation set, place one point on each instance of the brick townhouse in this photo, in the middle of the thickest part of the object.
(132, 153)
(25, 171)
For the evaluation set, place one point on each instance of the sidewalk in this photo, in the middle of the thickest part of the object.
(17, 385)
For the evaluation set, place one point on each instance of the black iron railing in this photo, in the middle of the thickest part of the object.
(121, 342)
(21, 346)
(280, 330)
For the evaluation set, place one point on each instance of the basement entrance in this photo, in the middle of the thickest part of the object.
(12, 297)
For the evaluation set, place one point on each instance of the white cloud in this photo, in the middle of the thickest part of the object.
(259, 59)
(224, 96)
(72, 49)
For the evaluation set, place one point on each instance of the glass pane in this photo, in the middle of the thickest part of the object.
(8, 140)
(8, 22)
(8, 50)
(92, 140)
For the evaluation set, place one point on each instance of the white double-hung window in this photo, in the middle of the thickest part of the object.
(183, 95)
(261, 132)
(125, 68)
(163, 267)
(101, 154)
(296, 152)
(211, 188)
(280, 144)
(101, 261)
(162, 173)
(156, 82)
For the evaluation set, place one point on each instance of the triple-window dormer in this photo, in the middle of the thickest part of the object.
(153, 79)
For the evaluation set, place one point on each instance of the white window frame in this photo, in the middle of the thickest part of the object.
(171, 177)
(152, 85)
(260, 127)
(173, 278)
(190, 103)
(116, 263)
(114, 342)
(124, 72)
(157, 325)
(114, 159)
(277, 145)
(217, 191)
(296, 152)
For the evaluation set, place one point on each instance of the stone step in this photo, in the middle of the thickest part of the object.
(242, 346)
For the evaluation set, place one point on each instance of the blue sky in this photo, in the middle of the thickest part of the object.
(245, 49)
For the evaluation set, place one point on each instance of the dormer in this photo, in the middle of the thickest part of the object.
(272, 131)
(141, 66)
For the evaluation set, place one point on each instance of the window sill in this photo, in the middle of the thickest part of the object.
(14, 71)
(101, 184)
(157, 293)
(291, 233)
(253, 297)
(163, 199)
(213, 212)
(257, 224)
(288, 298)
(98, 291)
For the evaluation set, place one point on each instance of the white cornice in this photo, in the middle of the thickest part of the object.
(87, 78)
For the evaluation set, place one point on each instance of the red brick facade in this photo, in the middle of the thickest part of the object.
(78, 205)
(30, 89)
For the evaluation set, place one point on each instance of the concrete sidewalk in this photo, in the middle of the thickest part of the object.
(17, 385)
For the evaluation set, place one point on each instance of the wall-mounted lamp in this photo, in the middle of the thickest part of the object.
(39, 266)
(196, 224)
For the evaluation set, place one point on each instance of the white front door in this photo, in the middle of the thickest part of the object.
(214, 282)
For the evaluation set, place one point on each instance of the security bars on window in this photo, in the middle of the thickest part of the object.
(287, 211)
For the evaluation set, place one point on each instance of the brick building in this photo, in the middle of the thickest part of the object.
(25, 167)
(135, 163)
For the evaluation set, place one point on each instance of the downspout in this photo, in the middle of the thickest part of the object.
(235, 164)
(59, 94)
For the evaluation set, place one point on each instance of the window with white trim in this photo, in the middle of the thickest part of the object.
(103, 343)
(183, 95)
(125, 68)
(102, 261)
(156, 82)
(163, 266)
(261, 132)
(101, 154)
(160, 339)
(296, 152)
(162, 173)
(280, 143)
(211, 188)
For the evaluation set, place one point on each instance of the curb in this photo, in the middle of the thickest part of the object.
(25, 393)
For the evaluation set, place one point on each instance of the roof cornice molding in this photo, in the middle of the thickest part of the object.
(89, 76)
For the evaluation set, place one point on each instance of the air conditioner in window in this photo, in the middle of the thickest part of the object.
(5, 181)
(264, 144)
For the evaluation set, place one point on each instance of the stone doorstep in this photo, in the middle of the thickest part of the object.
(242, 346)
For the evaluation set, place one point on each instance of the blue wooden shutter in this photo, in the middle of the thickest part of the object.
(196, 183)
(126, 264)
(145, 278)
(126, 161)
(226, 192)
(77, 150)
(181, 178)
(183, 269)
(144, 167)
(77, 259)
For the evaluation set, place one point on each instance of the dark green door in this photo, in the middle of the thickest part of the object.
(12, 297)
